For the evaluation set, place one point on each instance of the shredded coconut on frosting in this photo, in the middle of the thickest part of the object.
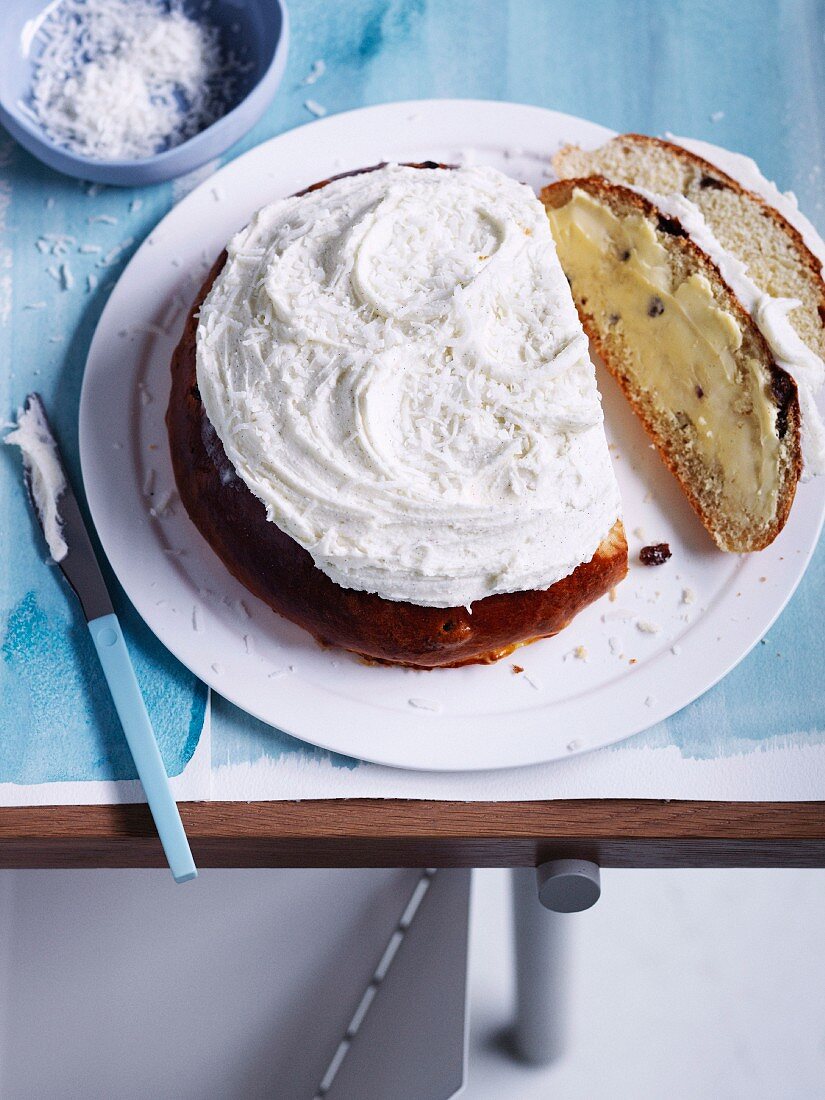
(395, 368)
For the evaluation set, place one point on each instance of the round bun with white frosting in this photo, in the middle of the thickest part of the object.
(384, 419)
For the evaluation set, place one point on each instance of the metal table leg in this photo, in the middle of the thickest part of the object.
(542, 900)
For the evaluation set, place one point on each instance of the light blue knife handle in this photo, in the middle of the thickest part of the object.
(120, 675)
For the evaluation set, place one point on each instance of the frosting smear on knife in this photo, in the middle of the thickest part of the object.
(46, 478)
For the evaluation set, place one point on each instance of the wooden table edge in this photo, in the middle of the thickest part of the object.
(399, 833)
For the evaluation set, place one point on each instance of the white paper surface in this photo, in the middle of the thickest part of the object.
(786, 768)
(781, 772)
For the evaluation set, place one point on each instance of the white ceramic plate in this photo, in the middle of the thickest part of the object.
(669, 635)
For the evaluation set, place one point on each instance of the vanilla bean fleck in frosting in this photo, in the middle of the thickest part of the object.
(395, 368)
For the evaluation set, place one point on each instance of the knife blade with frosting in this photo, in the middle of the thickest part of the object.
(58, 514)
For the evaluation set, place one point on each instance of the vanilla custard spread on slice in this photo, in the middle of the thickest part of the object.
(682, 341)
(395, 368)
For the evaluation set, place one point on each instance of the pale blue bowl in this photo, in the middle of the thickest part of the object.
(255, 30)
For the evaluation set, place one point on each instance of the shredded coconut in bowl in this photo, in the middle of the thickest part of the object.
(125, 79)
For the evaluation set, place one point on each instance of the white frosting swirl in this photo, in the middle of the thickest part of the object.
(394, 366)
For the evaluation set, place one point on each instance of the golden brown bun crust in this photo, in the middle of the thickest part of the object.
(282, 574)
(783, 387)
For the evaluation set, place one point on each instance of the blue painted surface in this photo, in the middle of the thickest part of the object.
(750, 76)
(238, 738)
(57, 721)
(63, 723)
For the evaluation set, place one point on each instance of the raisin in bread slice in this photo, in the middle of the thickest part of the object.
(780, 259)
(686, 353)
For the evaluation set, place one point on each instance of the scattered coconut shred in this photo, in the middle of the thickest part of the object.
(124, 79)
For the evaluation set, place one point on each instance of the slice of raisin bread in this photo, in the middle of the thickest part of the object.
(778, 259)
(686, 353)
